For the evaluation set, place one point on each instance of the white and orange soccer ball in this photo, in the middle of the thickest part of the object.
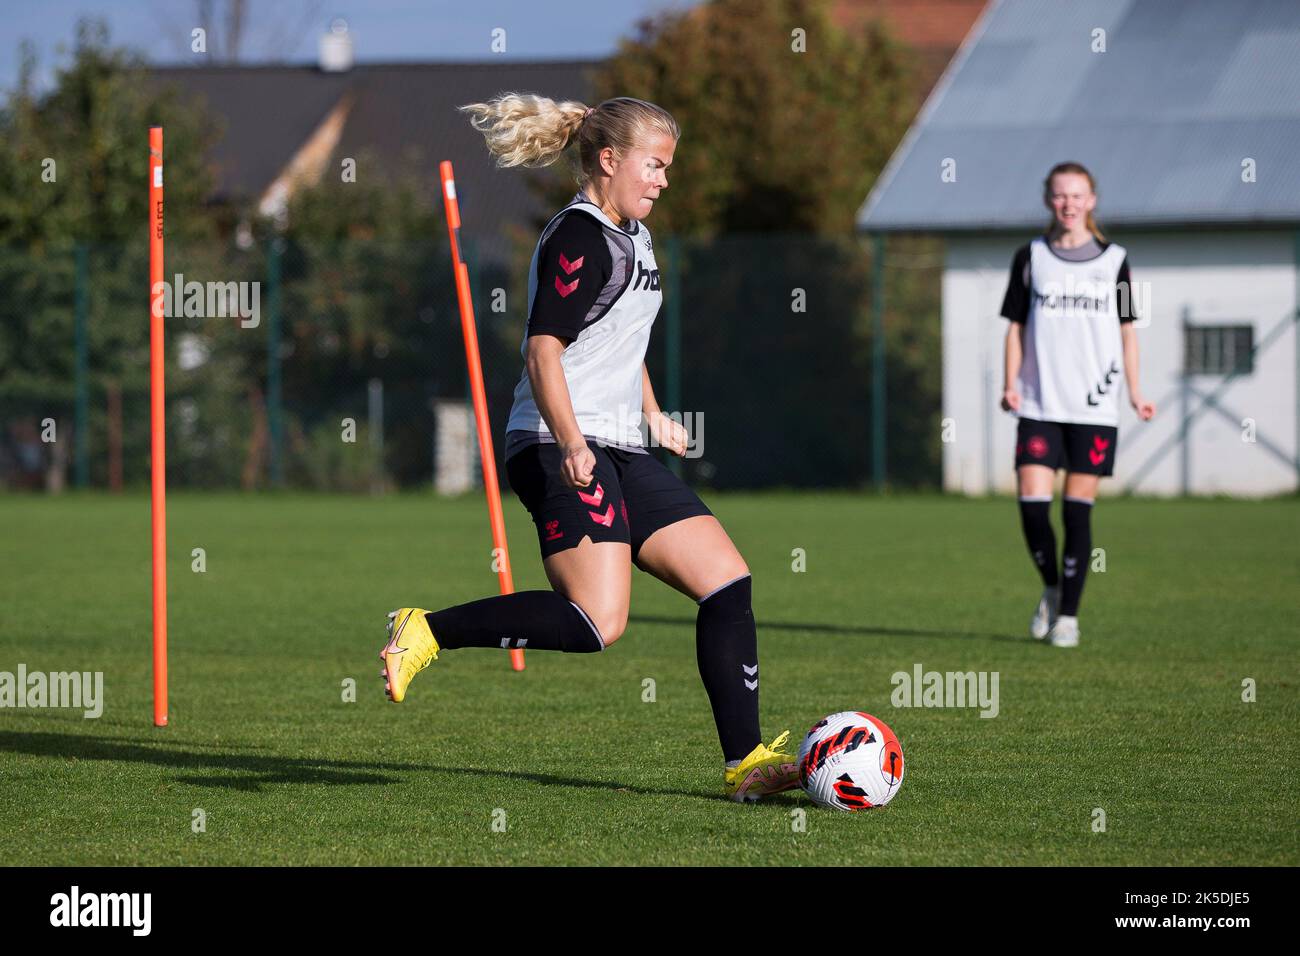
(851, 761)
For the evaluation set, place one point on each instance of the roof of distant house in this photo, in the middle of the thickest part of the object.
(394, 111)
(1189, 114)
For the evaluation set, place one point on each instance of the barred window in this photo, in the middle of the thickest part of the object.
(1219, 349)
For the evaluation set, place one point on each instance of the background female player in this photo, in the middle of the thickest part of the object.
(574, 452)
(1071, 332)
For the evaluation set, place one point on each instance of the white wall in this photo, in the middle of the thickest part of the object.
(1221, 277)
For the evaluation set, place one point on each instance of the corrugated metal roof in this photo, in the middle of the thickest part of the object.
(1184, 92)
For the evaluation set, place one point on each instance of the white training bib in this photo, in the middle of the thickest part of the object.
(602, 366)
(1073, 365)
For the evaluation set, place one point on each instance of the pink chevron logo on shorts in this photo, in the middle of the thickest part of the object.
(568, 266)
(607, 519)
(1096, 457)
(1100, 443)
(593, 499)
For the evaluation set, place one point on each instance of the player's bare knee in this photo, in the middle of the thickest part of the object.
(611, 626)
(727, 574)
(609, 622)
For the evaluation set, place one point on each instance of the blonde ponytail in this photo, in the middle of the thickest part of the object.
(524, 129)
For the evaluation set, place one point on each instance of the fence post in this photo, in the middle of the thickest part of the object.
(375, 409)
(274, 412)
(1185, 409)
(878, 360)
(673, 339)
(81, 428)
(990, 485)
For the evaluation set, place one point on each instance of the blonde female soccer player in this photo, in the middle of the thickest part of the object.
(1070, 347)
(574, 451)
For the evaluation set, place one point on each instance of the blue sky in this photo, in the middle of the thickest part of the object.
(288, 29)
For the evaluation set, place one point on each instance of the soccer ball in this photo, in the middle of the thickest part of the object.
(850, 761)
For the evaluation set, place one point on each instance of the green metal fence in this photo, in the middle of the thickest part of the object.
(796, 361)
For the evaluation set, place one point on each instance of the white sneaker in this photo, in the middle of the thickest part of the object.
(1065, 632)
(1045, 614)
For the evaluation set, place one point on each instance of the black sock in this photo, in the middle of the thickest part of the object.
(1036, 520)
(1078, 552)
(533, 620)
(726, 649)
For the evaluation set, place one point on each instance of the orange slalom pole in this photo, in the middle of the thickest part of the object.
(478, 392)
(157, 443)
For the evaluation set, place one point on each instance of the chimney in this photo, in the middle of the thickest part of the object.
(336, 48)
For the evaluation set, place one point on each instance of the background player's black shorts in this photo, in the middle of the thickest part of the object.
(630, 497)
(1087, 449)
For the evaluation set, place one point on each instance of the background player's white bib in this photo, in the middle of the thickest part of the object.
(602, 366)
(1073, 366)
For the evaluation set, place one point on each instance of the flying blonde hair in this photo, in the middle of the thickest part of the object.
(524, 129)
(1092, 184)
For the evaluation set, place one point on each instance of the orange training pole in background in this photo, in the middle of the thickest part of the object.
(476, 388)
(157, 445)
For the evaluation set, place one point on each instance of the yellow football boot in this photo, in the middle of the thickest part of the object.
(410, 649)
(766, 770)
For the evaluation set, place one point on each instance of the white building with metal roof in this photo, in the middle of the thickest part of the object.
(1187, 112)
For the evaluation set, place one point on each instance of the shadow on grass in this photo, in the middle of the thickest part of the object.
(250, 772)
(766, 625)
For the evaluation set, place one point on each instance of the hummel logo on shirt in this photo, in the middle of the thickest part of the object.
(569, 267)
(646, 278)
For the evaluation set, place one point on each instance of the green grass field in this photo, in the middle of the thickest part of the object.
(1145, 720)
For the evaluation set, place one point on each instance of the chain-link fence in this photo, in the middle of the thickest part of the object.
(340, 365)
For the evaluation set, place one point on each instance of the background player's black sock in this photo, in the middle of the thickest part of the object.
(726, 649)
(1036, 520)
(533, 620)
(1078, 552)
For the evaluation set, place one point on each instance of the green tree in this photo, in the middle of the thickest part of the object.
(773, 139)
(368, 294)
(787, 120)
(74, 170)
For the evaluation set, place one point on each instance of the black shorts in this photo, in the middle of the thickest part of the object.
(630, 497)
(1084, 449)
